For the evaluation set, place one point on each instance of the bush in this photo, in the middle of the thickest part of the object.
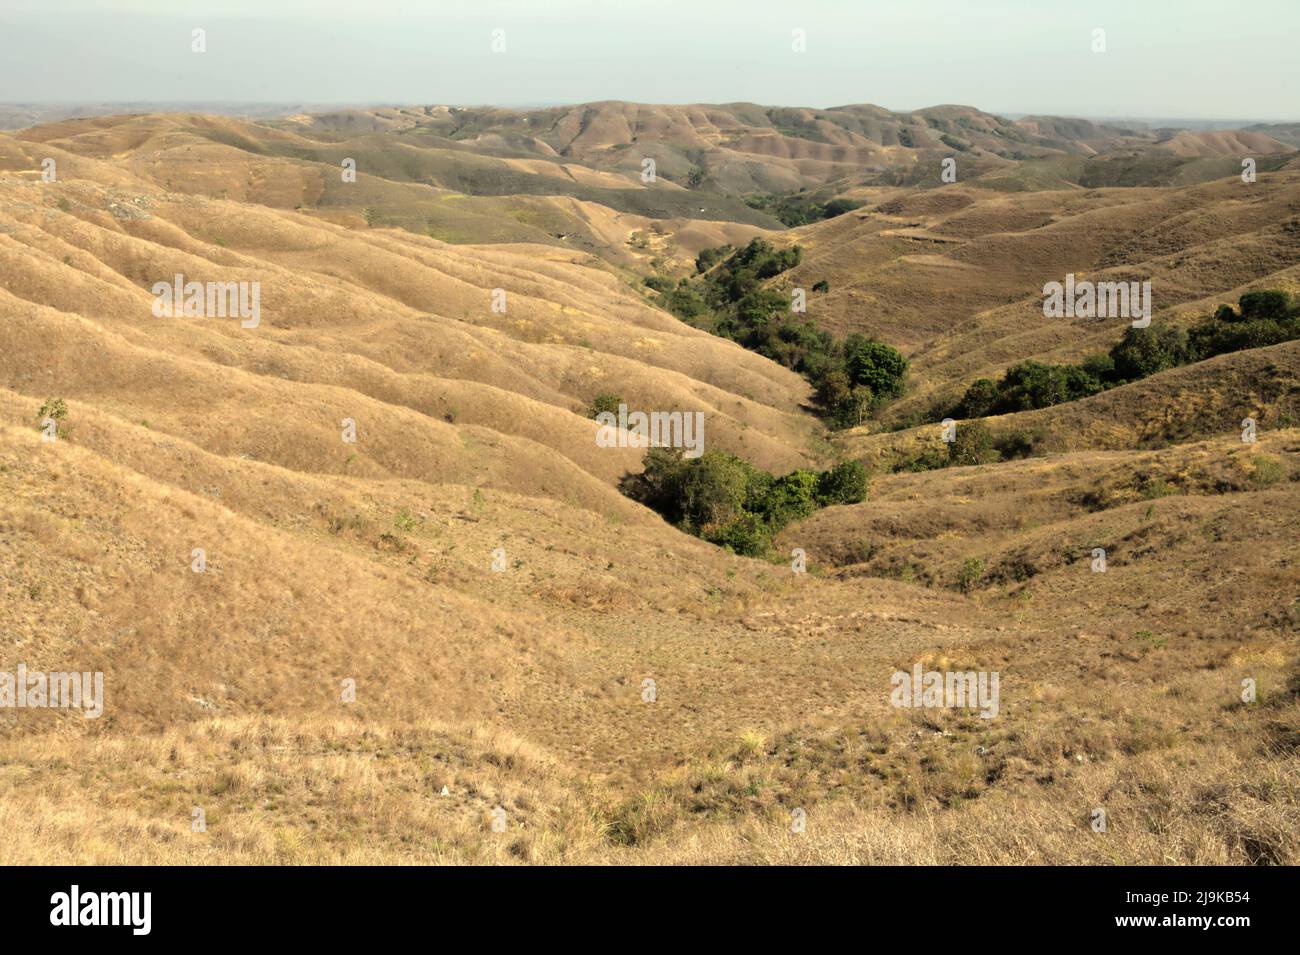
(821, 286)
(686, 303)
(979, 401)
(846, 483)
(713, 489)
(1101, 367)
(1146, 351)
(789, 498)
(1033, 384)
(658, 486)
(795, 211)
(972, 570)
(1267, 471)
(747, 535)
(973, 444)
(708, 258)
(1019, 444)
(846, 405)
(927, 459)
(1272, 304)
(604, 403)
(764, 260)
(1209, 340)
(55, 408)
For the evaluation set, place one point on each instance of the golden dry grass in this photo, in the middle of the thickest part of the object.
(524, 688)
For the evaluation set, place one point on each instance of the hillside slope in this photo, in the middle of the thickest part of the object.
(519, 632)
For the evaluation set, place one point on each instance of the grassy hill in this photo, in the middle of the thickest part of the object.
(518, 631)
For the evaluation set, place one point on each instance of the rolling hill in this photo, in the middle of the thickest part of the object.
(523, 636)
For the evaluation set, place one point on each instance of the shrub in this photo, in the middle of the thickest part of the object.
(1146, 351)
(789, 498)
(846, 405)
(821, 286)
(972, 569)
(845, 483)
(55, 408)
(687, 304)
(604, 403)
(1033, 384)
(927, 459)
(1212, 339)
(747, 535)
(1267, 471)
(973, 444)
(708, 258)
(1019, 444)
(979, 401)
(1101, 367)
(1272, 304)
(795, 211)
(713, 489)
(658, 486)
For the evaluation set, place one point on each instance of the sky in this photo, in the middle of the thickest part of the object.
(1188, 59)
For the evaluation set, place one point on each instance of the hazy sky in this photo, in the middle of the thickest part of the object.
(1164, 58)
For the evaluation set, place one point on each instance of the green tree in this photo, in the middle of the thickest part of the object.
(980, 400)
(708, 258)
(1270, 304)
(713, 489)
(1146, 351)
(659, 485)
(875, 365)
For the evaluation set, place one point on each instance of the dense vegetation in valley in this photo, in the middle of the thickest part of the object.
(853, 376)
(729, 502)
(800, 210)
(1262, 318)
